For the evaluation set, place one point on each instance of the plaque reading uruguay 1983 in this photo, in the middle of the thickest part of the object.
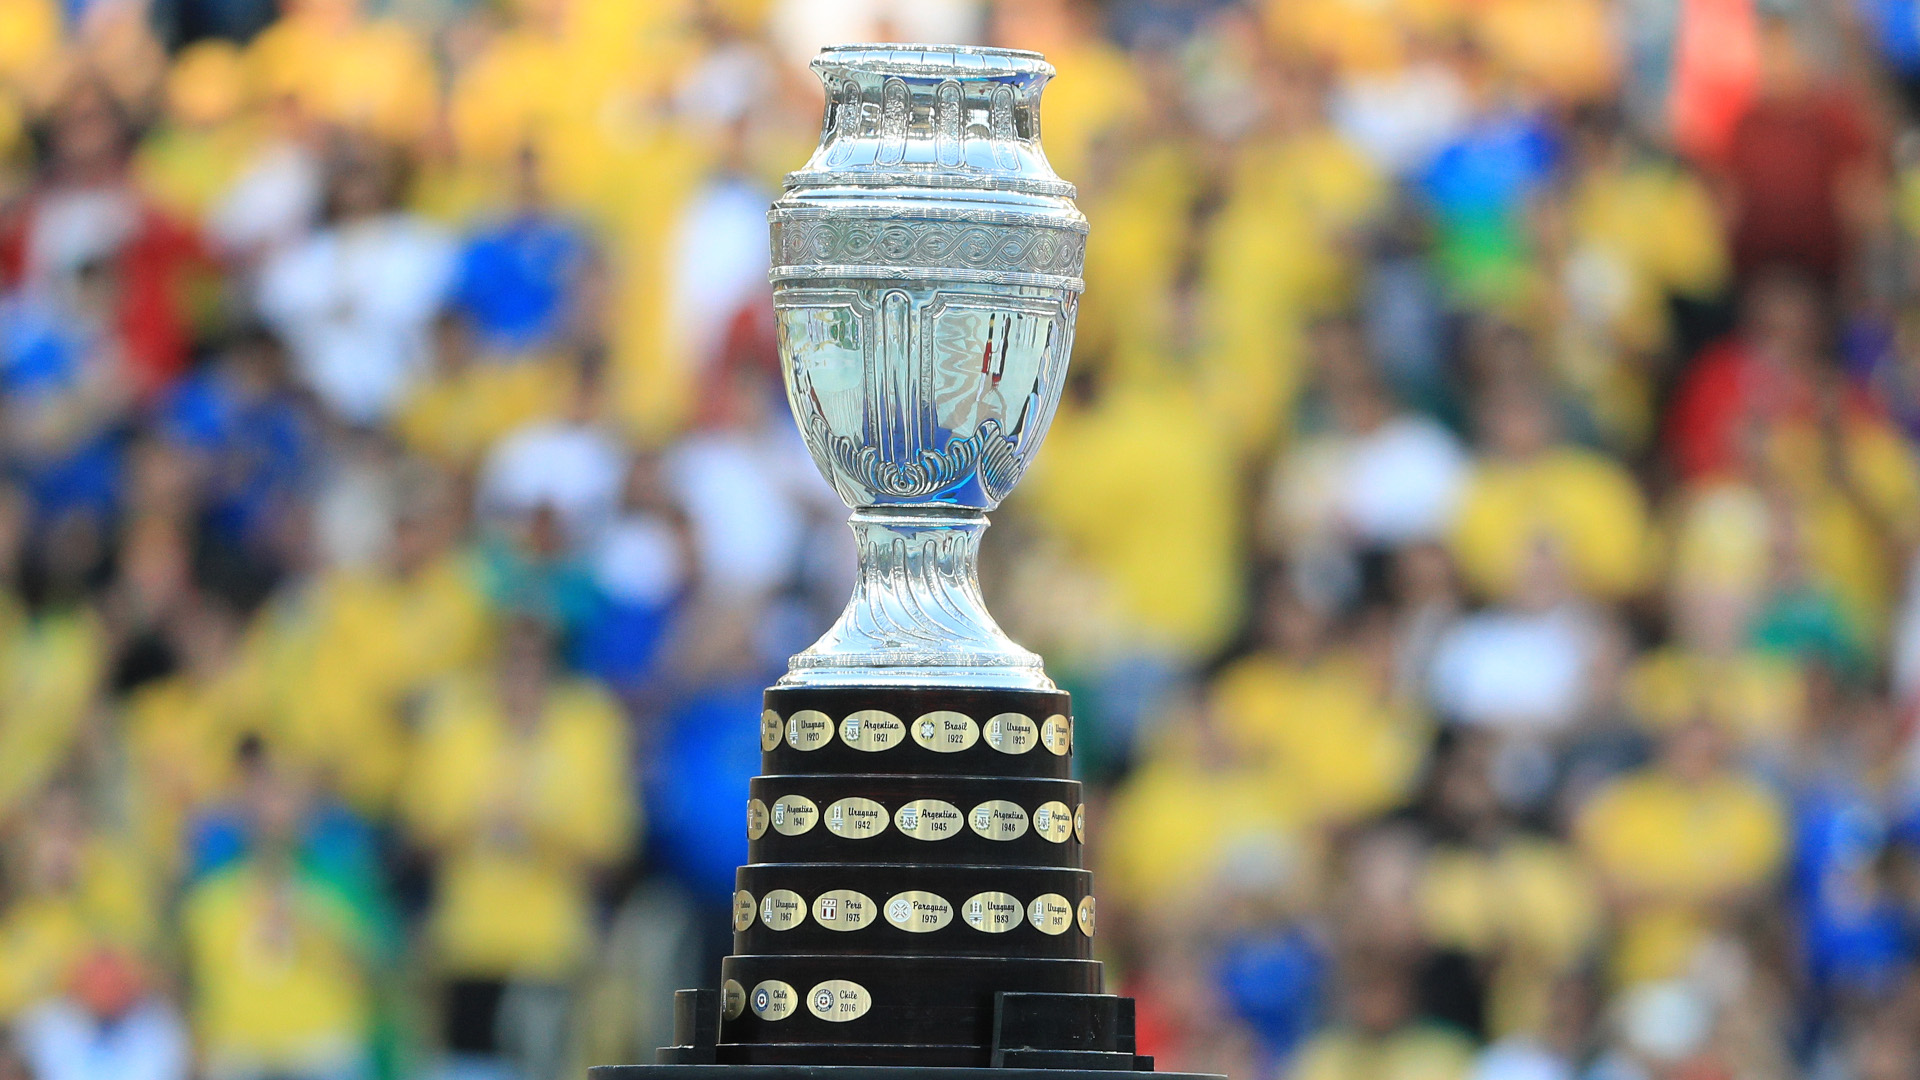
(992, 912)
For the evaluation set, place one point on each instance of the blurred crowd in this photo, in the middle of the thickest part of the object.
(1482, 531)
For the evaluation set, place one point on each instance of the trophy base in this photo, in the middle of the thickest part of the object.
(1033, 1037)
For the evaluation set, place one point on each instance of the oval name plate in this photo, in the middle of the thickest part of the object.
(856, 818)
(929, 819)
(756, 819)
(1080, 823)
(794, 814)
(1057, 735)
(809, 729)
(993, 912)
(946, 732)
(1012, 733)
(1052, 820)
(1085, 915)
(773, 1000)
(733, 999)
(843, 909)
(838, 1001)
(872, 730)
(998, 819)
(770, 730)
(919, 912)
(1050, 914)
(743, 909)
(783, 909)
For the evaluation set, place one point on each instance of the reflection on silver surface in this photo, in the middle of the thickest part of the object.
(926, 270)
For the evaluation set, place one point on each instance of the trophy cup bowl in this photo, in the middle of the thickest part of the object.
(926, 274)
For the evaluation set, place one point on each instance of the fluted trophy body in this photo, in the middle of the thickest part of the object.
(926, 272)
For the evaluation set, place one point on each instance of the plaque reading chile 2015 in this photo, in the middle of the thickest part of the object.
(915, 896)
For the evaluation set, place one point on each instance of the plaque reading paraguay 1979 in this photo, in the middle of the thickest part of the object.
(915, 896)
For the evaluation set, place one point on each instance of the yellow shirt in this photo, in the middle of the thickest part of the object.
(456, 420)
(1275, 255)
(49, 674)
(1586, 504)
(44, 934)
(278, 970)
(1174, 824)
(1142, 487)
(520, 820)
(340, 662)
(1669, 849)
(374, 76)
(1418, 1052)
(1756, 696)
(182, 736)
(1328, 744)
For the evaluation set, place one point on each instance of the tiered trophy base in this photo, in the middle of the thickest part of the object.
(914, 905)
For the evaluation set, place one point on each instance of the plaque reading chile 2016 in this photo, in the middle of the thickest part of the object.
(915, 896)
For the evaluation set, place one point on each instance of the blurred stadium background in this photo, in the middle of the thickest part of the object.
(1480, 533)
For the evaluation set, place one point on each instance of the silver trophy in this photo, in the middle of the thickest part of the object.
(926, 273)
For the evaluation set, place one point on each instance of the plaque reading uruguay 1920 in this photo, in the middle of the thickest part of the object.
(914, 895)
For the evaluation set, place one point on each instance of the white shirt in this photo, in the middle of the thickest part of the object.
(61, 1041)
(575, 468)
(355, 304)
(1514, 671)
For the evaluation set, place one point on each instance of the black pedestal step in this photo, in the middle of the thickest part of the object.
(1054, 1033)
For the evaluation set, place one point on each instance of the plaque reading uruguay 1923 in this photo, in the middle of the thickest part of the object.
(926, 271)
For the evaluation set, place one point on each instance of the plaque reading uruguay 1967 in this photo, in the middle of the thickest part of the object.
(782, 909)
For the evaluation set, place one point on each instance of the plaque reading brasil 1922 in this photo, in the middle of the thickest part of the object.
(914, 895)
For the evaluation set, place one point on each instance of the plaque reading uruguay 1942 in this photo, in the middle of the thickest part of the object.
(856, 818)
(926, 270)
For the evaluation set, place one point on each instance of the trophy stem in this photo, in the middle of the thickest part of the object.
(916, 616)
